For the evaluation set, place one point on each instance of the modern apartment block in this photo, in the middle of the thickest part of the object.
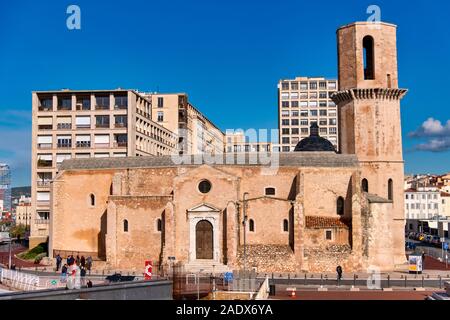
(197, 134)
(84, 124)
(5, 187)
(422, 203)
(23, 212)
(302, 101)
(237, 142)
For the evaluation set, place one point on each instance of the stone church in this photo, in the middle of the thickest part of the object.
(318, 210)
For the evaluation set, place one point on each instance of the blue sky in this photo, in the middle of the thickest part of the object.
(227, 55)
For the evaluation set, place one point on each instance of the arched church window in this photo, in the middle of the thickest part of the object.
(251, 225)
(285, 225)
(125, 225)
(365, 185)
(340, 206)
(369, 58)
(390, 190)
(159, 225)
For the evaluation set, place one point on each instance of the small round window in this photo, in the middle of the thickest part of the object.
(204, 186)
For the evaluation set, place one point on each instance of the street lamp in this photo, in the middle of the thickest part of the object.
(245, 229)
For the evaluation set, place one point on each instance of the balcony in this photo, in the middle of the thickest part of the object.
(120, 144)
(42, 221)
(43, 183)
(44, 163)
(120, 107)
(120, 125)
(83, 126)
(102, 125)
(102, 145)
(45, 108)
(83, 144)
(45, 127)
(101, 107)
(45, 145)
(64, 108)
(64, 145)
(43, 203)
(64, 126)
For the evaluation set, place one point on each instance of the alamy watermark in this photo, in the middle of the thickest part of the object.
(73, 21)
(375, 16)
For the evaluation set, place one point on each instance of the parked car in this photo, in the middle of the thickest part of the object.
(427, 238)
(436, 241)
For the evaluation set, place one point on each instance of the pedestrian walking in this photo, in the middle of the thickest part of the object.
(77, 261)
(58, 262)
(83, 261)
(89, 264)
(64, 273)
(83, 276)
(339, 273)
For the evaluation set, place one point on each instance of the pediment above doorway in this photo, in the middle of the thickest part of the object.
(204, 207)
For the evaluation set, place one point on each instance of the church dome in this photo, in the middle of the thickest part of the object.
(314, 142)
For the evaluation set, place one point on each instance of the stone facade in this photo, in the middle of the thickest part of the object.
(315, 210)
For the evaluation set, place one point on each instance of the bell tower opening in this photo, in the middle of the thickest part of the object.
(368, 58)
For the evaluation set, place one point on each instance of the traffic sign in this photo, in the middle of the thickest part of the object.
(445, 245)
(228, 276)
(148, 270)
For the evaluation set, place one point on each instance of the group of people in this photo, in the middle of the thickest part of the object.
(76, 268)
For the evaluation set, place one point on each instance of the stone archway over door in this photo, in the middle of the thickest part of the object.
(204, 240)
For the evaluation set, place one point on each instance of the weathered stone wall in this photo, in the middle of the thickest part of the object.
(75, 224)
(317, 237)
(142, 241)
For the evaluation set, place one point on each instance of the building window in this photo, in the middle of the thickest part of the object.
(159, 225)
(285, 104)
(390, 190)
(92, 200)
(365, 185)
(160, 102)
(160, 116)
(204, 186)
(270, 191)
(251, 225)
(368, 52)
(328, 235)
(340, 206)
(285, 86)
(285, 225)
(125, 225)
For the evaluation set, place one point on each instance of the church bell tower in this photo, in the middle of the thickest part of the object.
(369, 116)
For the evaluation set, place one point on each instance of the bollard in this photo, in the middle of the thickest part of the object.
(321, 280)
(389, 281)
(305, 279)
(405, 280)
(422, 283)
(440, 282)
(354, 280)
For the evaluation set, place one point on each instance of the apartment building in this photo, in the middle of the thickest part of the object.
(304, 100)
(84, 124)
(23, 212)
(197, 134)
(238, 142)
(422, 203)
